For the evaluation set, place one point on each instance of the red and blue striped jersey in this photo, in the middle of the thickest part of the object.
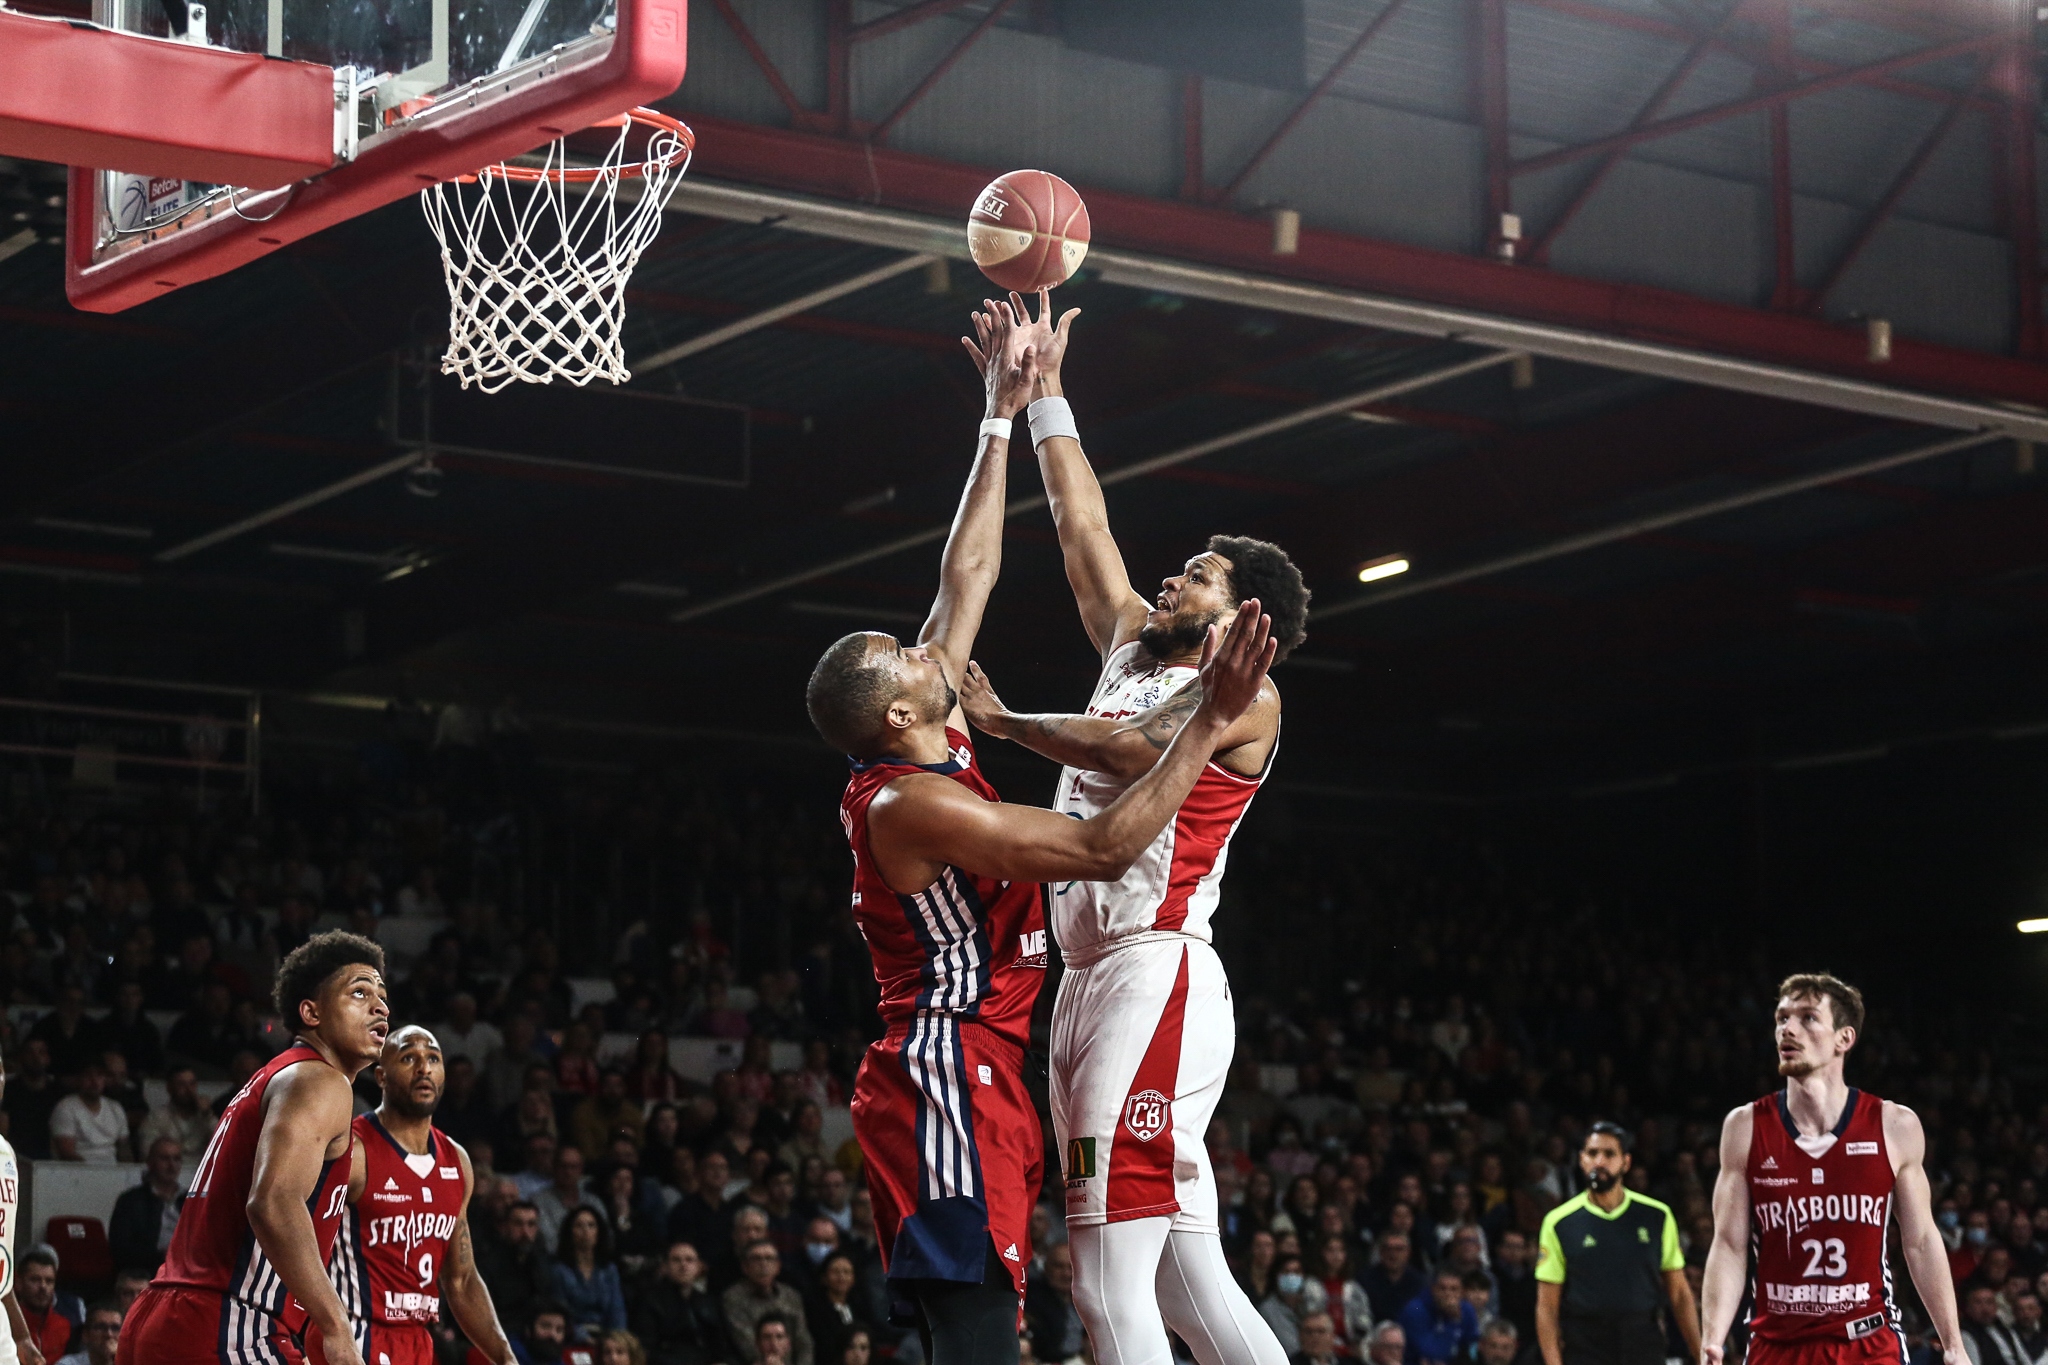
(968, 946)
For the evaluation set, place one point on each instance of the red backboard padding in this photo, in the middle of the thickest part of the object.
(87, 96)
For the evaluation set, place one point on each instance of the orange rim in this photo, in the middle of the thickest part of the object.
(652, 119)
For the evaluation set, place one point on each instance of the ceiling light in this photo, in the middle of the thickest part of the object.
(1386, 566)
(2034, 926)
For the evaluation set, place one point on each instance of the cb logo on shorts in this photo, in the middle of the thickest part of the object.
(1147, 1114)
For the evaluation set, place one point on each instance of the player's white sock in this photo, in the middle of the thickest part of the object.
(1114, 1268)
(1204, 1306)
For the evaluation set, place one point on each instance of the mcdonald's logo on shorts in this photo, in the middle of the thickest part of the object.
(1080, 1160)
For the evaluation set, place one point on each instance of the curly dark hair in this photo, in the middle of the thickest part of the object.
(848, 694)
(1261, 569)
(306, 968)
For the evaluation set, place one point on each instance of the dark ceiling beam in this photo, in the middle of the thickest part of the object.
(836, 168)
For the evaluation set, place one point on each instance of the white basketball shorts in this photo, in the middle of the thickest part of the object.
(1141, 1043)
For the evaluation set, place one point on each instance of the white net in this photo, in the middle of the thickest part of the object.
(537, 257)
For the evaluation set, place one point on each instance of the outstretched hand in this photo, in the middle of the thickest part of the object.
(978, 700)
(1002, 349)
(1048, 339)
(1234, 671)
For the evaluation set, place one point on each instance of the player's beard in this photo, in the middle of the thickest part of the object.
(1796, 1067)
(404, 1103)
(1602, 1181)
(1180, 635)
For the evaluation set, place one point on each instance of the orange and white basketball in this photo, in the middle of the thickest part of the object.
(1028, 231)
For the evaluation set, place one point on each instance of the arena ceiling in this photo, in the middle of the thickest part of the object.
(1617, 575)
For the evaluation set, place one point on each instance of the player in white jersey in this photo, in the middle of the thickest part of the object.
(15, 1345)
(1143, 1030)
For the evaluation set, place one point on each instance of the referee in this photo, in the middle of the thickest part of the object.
(1608, 1259)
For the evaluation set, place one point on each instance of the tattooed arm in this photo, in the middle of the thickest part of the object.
(468, 1296)
(1124, 749)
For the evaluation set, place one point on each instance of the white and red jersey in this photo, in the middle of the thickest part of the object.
(1173, 886)
(1818, 1211)
(394, 1239)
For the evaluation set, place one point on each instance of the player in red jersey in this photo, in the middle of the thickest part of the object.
(1810, 1178)
(245, 1279)
(405, 1238)
(946, 893)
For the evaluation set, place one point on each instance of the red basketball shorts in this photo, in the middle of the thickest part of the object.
(1884, 1346)
(399, 1343)
(953, 1149)
(175, 1325)
(1141, 1043)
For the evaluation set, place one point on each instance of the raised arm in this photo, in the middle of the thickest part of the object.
(1919, 1238)
(921, 823)
(1111, 609)
(1728, 1257)
(974, 547)
(304, 1107)
(1123, 749)
(467, 1294)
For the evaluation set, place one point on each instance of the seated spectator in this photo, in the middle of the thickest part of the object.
(1479, 1293)
(772, 1341)
(586, 1278)
(1440, 1326)
(73, 1039)
(206, 1034)
(530, 1115)
(1499, 1343)
(676, 1317)
(567, 1191)
(860, 1349)
(124, 1089)
(597, 1118)
(88, 1126)
(545, 1336)
(1514, 1284)
(32, 1095)
(785, 1221)
(1051, 1322)
(53, 1319)
(101, 1337)
(637, 1219)
(1289, 1303)
(1387, 1344)
(139, 1232)
(2028, 1327)
(1391, 1282)
(806, 1138)
(128, 1286)
(716, 1018)
(620, 1348)
(241, 1066)
(1333, 1292)
(748, 1226)
(516, 1268)
(829, 1308)
(760, 1293)
(651, 1077)
(1318, 1342)
(462, 1113)
(576, 1067)
(537, 1171)
(463, 1034)
(835, 1199)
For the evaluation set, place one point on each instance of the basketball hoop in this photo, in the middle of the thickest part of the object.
(537, 271)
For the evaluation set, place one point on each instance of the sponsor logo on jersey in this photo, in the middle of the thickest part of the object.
(1863, 1327)
(1031, 948)
(1080, 1160)
(451, 1173)
(985, 1074)
(1770, 1164)
(400, 1305)
(1010, 1253)
(1589, 1241)
(1820, 1177)
(1802, 1211)
(1816, 1300)
(1861, 1149)
(390, 1182)
(1776, 1180)
(1147, 1114)
(1643, 1235)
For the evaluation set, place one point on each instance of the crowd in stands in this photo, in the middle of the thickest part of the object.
(1424, 1033)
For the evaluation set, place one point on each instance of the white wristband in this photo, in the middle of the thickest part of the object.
(998, 426)
(1051, 417)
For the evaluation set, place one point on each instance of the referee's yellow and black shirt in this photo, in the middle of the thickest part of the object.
(1610, 1264)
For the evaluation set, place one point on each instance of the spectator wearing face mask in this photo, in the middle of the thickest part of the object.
(820, 1240)
(1287, 1305)
(1976, 1240)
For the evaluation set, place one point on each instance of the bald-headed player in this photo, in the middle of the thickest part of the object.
(947, 894)
(405, 1238)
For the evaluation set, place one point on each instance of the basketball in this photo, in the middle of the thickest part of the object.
(1028, 231)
